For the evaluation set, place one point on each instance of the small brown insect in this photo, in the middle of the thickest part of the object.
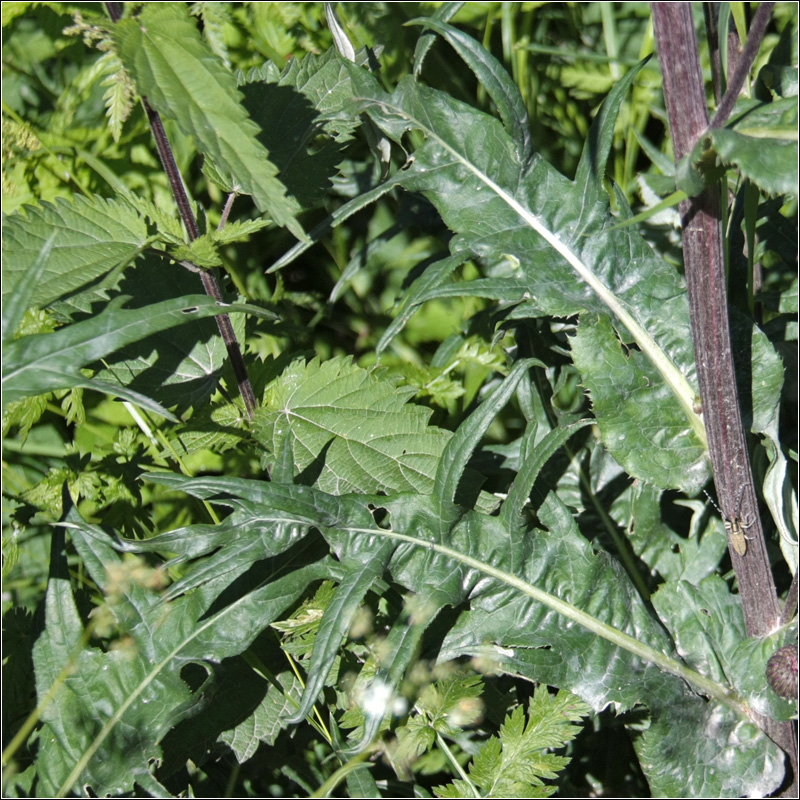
(735, 526)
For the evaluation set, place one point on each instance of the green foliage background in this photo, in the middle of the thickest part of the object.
(476, 468)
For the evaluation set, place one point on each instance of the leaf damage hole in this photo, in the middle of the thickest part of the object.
(195, 675)
(381, 516)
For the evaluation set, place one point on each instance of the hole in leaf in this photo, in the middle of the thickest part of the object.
(381, 516)
(194, 675)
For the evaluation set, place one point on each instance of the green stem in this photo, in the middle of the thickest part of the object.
(454, 761)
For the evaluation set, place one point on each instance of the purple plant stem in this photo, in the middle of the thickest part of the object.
(210, 284)
(705, 278)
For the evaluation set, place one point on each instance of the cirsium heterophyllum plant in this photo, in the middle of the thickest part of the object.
(340, 575)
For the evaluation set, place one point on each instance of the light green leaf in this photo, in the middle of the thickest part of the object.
(215, 16)
(238, 231)
(354, 429)
(460, 447)
(202, 252)
(184, 80)
(515, 763)
(120, 94)
(92, 237)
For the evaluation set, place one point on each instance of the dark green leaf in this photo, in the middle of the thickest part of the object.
(551, 233)
(533, 612)
(45, 362)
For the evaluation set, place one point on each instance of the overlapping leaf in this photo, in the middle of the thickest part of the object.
(563, 256)
(110, 710)
(353, 429)
(536, 607)
(532, 601)
(46, 362)
(294, 112)
(92, 236)
(184, 80)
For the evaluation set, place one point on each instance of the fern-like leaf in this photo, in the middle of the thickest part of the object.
(516, 763)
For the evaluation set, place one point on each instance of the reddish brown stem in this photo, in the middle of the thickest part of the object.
(703, 254)
(210, 285)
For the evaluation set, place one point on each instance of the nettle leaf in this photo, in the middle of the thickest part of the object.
(202, 252)
(565, 256)
(302, 121)
(184, 80)
(350, 430)
(90, 237)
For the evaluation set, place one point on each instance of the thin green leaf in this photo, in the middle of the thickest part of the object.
(337, 218)
(338, 617)
(46, 362)
(594, 157)
(532, 466)
(493, 78)
(459, 449)
(445, 12)
(417, 293)
(20, 297)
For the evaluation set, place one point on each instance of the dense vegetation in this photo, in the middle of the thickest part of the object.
(351, 350)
